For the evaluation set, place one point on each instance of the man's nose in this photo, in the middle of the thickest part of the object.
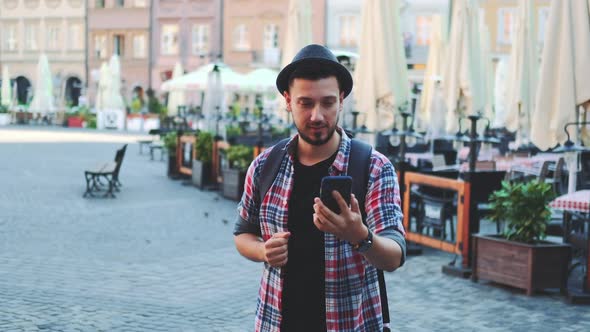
(316, 113)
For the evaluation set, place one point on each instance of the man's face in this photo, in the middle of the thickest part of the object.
(314, 106)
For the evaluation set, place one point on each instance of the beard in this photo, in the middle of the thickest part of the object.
(317, 139)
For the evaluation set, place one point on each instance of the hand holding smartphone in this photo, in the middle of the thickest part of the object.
(342, 184)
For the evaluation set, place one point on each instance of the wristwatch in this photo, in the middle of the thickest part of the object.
(365, 244)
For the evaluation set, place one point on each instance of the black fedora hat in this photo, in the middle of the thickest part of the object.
(316, 53)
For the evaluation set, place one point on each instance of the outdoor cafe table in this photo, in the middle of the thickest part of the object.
(576, 202)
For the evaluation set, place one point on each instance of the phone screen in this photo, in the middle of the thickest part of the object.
(342, 184)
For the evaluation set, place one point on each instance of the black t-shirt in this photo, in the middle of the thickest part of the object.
(304, 301)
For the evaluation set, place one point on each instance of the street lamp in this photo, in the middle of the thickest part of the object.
(570, 151)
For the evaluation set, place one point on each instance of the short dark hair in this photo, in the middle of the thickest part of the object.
(314, 71)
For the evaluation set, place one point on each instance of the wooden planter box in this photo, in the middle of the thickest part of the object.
(201, 174)
(233, 183)
(527, 266)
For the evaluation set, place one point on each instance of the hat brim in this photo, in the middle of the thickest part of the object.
(342, 74)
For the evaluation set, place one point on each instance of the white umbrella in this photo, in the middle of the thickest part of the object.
(500, 93)
(43, 101)
(488, 72)
(176, 97)
(522, 74)
(6, 88)
(424, 114)
(261, 80)
(381, 74)
(462, 75)
(197, 80)
(565, 69)
(104, 83)
(299, 27)
(115, 99)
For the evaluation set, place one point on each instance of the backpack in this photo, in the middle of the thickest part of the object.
(358, 168)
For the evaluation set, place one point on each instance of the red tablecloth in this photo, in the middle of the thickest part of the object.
(577, 201)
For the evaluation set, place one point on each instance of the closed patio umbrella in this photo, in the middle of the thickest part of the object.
(176, 97)
(432, 75)
(565, 69)
(381, 73)
(114, 99)
(104, 83)
(522, 74)
(463, 74)
(43, 100)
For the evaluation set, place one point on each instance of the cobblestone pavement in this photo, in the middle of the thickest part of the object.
(160, 256)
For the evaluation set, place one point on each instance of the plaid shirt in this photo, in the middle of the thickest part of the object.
(352, 289)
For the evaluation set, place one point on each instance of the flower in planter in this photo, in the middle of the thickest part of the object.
(204, 147)
(240, 156)
(170, 141)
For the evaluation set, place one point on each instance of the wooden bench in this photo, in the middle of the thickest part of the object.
(108, 171)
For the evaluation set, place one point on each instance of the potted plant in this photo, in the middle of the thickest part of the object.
(4, 115)
(238, 158)
(170, 141)
(202, 165)
(520, 257)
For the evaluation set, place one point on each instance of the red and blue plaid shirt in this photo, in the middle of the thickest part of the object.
(352, 289)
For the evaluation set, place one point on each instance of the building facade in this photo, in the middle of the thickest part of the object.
(120, 27)
(185, 31)
(254, 30)
(29, 28)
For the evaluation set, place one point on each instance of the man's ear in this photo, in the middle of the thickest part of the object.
(287, 100)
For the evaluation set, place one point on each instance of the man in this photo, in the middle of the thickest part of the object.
(320, 271)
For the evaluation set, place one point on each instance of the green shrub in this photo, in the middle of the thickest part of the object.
(240, 156)
(204, 147)
(525, 209)
(170, 140)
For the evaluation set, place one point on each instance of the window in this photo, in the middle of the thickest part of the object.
(75, 35)
(139, 46)
(542, 26)
(271, 36)
(140, 3)
(10, 37)
(241, 41)
(169, 44)
(118, 44)
(506, 25)
(119, 3)
(348, 31)
(53, 36)
(99, 4)
(100, 46)
(31, 36)
(200, 37)
(423, 30)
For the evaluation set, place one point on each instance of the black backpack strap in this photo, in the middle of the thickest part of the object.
(271, 166)
(359, 164)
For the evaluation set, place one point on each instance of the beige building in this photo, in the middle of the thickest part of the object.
(29, 28)
(185, 31)
(254, 31)
(500, 17)
(120, 27)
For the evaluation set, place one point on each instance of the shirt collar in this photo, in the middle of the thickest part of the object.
(343, 150)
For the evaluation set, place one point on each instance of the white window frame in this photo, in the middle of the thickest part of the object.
(32, 36)
(241, 40)
(503, 15)
(169, 41)
(53, 34)
(140, 3)
(120, 48)
(75, 36)
(139, 46)
(349, 30)
(100, 46)
(271, 36)
(201, 34)
(10, 37)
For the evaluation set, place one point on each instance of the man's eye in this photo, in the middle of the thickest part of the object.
(306, 104)
(328, 104)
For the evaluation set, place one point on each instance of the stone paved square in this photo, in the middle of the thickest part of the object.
(160, 256)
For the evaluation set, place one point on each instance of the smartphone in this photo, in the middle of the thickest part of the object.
(342, 184)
